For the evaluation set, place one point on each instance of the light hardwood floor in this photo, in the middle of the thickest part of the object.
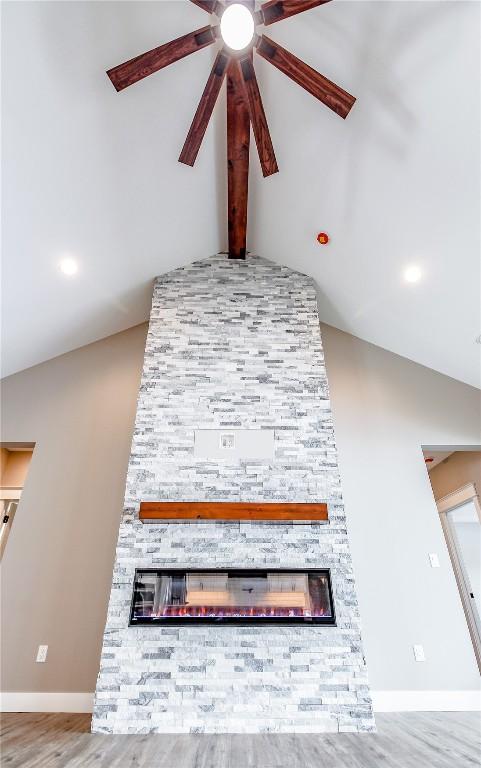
(414, 740)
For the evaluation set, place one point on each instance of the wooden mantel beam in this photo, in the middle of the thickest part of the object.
(188, 511)
(238, 139)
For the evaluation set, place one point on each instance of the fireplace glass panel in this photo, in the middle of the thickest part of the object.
(248, 596)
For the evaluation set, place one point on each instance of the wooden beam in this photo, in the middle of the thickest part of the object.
(194, 511)
(334, 97)
(277, 10)
(238, 139)
(204, 110)
(136, 69)
(257, 116)
(211, 6)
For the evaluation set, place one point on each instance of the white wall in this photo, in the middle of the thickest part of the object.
(57, 566)
(385, 408)
(79, 408)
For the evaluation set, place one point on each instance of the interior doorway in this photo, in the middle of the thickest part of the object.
(15, 461)
(456, 481)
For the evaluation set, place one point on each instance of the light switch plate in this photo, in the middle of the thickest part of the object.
(418, 651)
(42, 653)
(434, 560)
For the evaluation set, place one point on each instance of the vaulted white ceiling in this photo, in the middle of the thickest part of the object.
(94, 174)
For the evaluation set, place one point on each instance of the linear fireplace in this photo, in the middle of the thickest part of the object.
(170, 597)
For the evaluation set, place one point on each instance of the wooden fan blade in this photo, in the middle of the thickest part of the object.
(204, 110)
(323, 89)
(277, 10)
(238, 140)
(211, 6)
(258, 117)
(147, 63)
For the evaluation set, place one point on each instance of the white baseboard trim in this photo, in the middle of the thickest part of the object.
(383, 701)
(20, 701)
(426, 701)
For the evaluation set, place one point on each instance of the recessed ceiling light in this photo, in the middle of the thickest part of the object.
(68, 266)
(237, 26)
(413, 274)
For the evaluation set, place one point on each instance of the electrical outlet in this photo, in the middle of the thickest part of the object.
(434, 560)
(42, 653)
(418, 651)
(227, 441)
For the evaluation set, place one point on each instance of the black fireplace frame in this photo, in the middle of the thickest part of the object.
(172, 621)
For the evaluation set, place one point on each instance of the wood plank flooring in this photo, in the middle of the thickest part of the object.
(408, 740)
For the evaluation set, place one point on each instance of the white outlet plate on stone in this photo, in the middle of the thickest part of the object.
(42, 653)
(434, 560)
(227, 441)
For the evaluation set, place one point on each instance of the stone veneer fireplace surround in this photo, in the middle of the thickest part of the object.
(233, 345)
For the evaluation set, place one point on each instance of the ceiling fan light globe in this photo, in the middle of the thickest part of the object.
(237, 26)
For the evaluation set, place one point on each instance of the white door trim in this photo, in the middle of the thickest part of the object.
(466, 493)
(10, 494)
(446, 504)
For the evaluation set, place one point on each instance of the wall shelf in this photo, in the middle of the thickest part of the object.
(205, 511)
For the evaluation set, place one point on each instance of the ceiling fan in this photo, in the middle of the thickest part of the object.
(238, 34)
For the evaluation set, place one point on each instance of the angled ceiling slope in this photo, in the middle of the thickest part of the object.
(94, 174)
